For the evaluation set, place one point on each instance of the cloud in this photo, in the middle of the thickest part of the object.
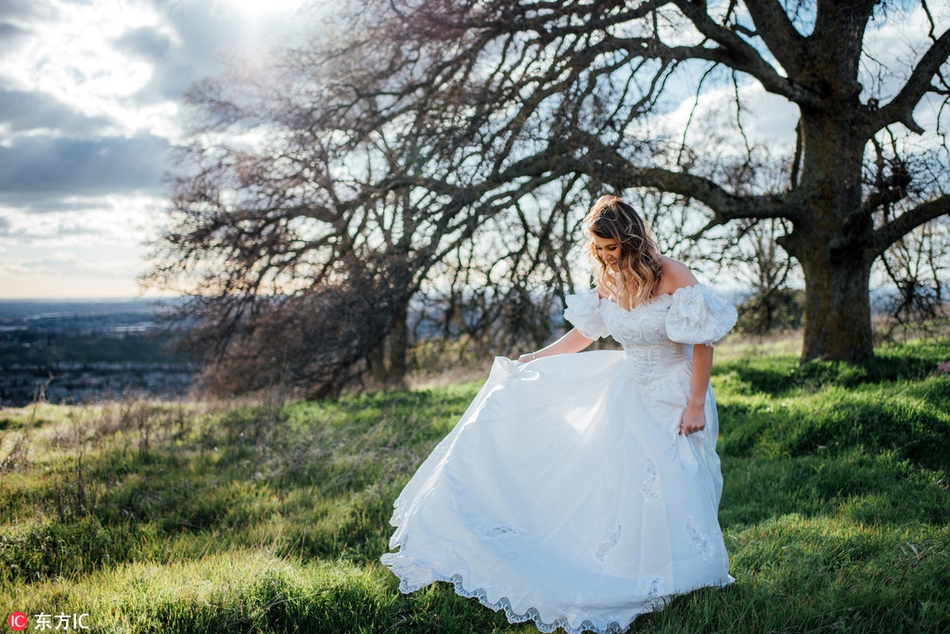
(33, 111)
(146, 42)
(11, 37)
(44, 203)
(20, 9)
(14, 14)
(90, 96)
(91, 105)
(768, 120)
(43, 164)
(90, 58)
(71, 220)
(92, 246)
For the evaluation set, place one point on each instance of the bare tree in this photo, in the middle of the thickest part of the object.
(420, 131)
(917, 266)
(302, 225)
(764, 268)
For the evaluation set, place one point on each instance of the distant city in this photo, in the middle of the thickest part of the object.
(84, 351)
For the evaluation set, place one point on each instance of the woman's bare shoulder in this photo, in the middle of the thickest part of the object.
(674, 275)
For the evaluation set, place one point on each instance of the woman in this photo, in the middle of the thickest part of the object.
(580, 490)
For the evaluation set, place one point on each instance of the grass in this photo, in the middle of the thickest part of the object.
(165, 517)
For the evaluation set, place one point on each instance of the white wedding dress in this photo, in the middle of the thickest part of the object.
(565, 495)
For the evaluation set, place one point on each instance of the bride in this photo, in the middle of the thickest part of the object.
(581, 490)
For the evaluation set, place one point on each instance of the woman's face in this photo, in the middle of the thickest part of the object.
(608, 250)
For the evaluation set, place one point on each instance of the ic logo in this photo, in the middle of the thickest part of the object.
(18, 621)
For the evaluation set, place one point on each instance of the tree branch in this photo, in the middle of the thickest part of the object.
(901, 107)
(742, 56)
(724, 205)
(894, 230)
(778, 33)
(607, 165)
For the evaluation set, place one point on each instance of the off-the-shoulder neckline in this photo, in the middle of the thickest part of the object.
(651, 302)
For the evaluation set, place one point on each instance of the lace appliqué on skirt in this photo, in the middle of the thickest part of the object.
(496, 532)
(649, 481)
(609, 543)
(699, 539)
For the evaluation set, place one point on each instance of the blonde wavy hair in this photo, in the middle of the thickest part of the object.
(639, 260)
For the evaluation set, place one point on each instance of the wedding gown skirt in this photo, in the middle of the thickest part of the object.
(565, 494)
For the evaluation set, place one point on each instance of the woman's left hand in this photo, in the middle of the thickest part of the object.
(693, 420)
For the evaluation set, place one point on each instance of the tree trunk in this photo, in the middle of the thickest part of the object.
(399, 345)
(376, 362)
(387, 362)
(837, 308)
(832, 240)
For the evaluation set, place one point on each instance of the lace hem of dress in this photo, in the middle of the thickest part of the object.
(532, 614)
(653, 602)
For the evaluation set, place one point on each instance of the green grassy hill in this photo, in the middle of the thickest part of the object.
(228, 518)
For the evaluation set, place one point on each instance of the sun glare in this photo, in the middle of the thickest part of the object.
(261, 8)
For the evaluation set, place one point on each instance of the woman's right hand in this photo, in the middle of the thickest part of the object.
(529, 356)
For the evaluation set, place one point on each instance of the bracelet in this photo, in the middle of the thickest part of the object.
(534, 355)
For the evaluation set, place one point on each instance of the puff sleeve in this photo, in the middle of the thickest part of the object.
(583, 311)
(698, 315)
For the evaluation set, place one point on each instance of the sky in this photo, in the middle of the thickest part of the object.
(90, 105)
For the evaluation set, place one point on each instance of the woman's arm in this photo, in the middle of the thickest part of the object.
(694, 418)
(573, 341)
(676, 275)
